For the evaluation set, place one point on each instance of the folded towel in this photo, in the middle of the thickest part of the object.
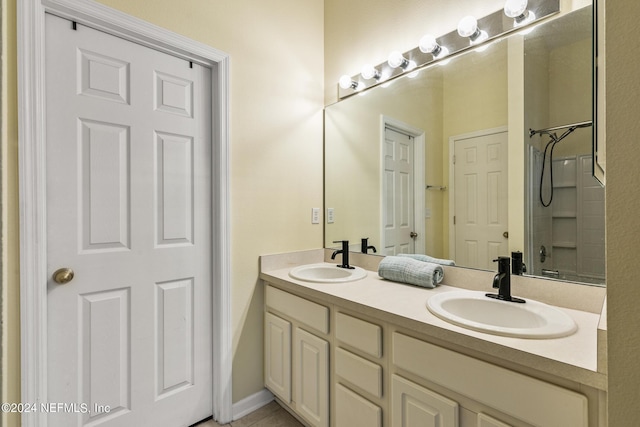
(411, 271)
(427, 258)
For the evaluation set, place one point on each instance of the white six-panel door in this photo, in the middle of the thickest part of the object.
(398, 193)
(128, 210)
(480, 209)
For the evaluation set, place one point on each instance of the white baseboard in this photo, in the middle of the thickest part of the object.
(251, 403)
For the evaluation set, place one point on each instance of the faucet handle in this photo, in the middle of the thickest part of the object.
(345, 244)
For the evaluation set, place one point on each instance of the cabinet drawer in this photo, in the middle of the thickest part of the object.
(300, 309)
(528, 399)
(359, 334)
(360, 372)
(355, 411)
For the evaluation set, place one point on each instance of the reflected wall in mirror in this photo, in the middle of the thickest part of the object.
(442, 163)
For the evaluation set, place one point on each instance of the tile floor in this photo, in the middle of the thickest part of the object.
(270, 415)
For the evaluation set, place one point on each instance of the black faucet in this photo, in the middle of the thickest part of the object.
(364, 247)
(345, 254)
(502, 281)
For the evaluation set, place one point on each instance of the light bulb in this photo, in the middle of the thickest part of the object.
(345, 82)
(515, 8)
(428, 44)
(396, 60)
(467, 26)
(369, 72)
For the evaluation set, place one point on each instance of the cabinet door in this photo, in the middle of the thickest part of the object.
(311, 373)
(277, 356)
(415, 406)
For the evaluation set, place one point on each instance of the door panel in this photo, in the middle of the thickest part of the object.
(174, 184)
(105, 180)
(105, 328)
(128, 209)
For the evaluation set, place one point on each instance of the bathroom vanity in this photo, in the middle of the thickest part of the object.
(369, 353)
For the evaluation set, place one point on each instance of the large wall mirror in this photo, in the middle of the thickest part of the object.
(443, 161)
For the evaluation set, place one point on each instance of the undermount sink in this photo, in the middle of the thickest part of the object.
(327, 273)
(473, 310)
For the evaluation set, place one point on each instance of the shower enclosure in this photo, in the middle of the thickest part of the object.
(566, 238)
(565, 204)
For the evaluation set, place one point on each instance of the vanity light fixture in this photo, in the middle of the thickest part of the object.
(517, 9)
(515, 16)
(396, 60)
(468, 27)
(346, 82)
(370, 72)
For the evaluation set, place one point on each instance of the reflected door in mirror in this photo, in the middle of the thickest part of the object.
(398, 193)
(480, 201)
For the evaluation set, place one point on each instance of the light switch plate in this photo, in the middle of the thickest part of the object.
(330, 217)
(315, 215)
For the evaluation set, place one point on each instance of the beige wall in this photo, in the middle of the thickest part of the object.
(571, 94)
(622, 206)
(276, 150)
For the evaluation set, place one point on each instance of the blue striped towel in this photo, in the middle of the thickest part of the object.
(411, 271)
(427, 258)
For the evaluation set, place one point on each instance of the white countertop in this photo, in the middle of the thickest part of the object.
(574, 357)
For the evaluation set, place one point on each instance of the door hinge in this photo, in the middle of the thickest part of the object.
(74, 25)
(190, 64)
(454, 159)
(454, 220)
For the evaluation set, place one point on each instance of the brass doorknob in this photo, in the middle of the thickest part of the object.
(63, 275)
(413, 234)
(505, 234)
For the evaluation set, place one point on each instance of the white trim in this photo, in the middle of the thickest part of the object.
(419, 182)
(31, 122)
(452, 187)
(251, 403)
